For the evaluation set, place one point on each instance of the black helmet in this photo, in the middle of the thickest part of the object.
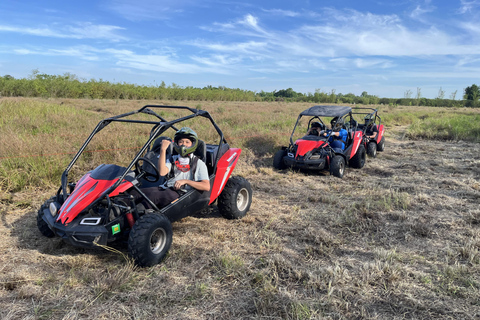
(336, 123)
(369, 120)
(187, 133)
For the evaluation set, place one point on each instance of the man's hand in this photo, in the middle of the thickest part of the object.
(203, 185)
(179, 184)
(162, 158)
(165, 144)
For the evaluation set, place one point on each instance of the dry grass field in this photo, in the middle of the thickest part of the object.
(398, 239)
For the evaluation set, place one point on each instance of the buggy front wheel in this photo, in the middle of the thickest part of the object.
(337, 166)
(235, 199)
(372, 149)
(278, 160)
(358, 160)
(41, 224)
(150, 239)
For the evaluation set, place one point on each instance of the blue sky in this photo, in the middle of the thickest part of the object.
(384, 47)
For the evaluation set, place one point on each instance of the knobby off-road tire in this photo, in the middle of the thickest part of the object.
(372, 149)
(150, 239)
(381, 145)
(235, 199)
(41, 224)
(278, 160)
(358, 160)
(337, 166)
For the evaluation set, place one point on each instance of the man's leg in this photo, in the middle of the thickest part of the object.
(161, 197)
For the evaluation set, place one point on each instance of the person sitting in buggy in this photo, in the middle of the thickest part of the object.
(316, 129)
(183, 171)
(338, 135)
(371, 129)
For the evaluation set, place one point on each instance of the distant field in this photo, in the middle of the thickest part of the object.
(397, 239)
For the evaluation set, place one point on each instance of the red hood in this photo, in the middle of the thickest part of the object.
(303, 146)
(86, 191)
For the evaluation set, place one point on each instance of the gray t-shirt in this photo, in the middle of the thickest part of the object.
(200, 174)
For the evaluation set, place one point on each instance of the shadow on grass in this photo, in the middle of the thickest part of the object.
(28, 237)
(261, 146)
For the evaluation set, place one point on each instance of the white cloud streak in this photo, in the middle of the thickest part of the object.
(80, 31)
(149, 10)
(468, 6)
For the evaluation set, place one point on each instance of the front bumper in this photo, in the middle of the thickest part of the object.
(317, 164)
(76, 234)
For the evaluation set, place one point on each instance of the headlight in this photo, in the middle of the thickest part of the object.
(315, 157)
(290, 155)
(53, 207)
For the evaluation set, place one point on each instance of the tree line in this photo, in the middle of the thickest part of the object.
(70, 86)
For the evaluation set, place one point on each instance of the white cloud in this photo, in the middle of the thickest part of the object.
(43, 32)
(246, 26)
(91, 31)
(420, 11)
(280, 12)
(468, 6)
(254, 48)
(164, 63)
(222, 61)
(145, 10)
(80, 52)
(352, 33)
(81, 31)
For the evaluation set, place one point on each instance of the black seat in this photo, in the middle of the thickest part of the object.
(212, 152)
(201, 151)
(157, 144)
(152, 155)
(353, 124)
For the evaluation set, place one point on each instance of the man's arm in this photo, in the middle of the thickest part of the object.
(374, 132)
(162, 160)
(202, 185)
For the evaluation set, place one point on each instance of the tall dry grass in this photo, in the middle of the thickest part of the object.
(397, 239)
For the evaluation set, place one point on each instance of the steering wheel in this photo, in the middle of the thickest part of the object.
(141, 172)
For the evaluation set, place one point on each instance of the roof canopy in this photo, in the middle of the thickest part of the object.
(326, 111)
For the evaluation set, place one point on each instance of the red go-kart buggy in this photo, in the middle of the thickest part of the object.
(314, 152)
(372, 123)
(99, 209)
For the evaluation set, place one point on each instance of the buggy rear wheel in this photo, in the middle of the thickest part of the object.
(235, 199)
(278, 160)
(150, 239)
(358, 160)
(381, 145)
(337, 166)
(372, 149)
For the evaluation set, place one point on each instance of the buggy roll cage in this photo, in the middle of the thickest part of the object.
(373, 113)
(322, 111)
(158, 128)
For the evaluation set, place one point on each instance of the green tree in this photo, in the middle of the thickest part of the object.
(472, 93)
(288, 93)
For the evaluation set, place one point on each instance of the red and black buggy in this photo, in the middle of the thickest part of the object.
(371, 123)
(99, 208)
(314, 152)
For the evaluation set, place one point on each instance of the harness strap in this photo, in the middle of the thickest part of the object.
(193, 167)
